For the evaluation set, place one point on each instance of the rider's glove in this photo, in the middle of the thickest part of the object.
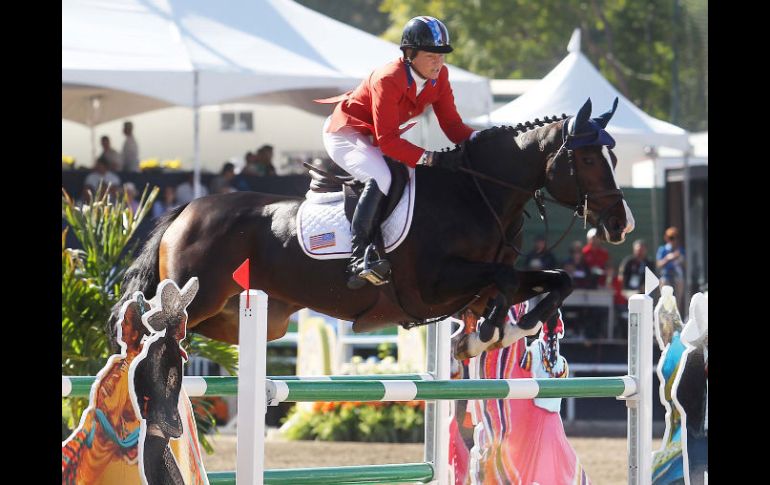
(448, 160)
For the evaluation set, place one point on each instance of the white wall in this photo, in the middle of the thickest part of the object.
(168, 134)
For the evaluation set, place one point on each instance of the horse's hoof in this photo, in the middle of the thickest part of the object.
(512, 333)
(470, 345)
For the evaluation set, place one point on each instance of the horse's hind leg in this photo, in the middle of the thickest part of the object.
(224, 325)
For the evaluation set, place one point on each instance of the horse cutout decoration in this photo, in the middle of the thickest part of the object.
(458, 254)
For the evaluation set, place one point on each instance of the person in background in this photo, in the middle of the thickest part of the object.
(631, 272)
(130, 190)
(114, 162)
(165, 203)
(670, 261)
(596, 257)
(130, 152)
(185, 192)
(577, 268)
(223, 183)
(102, 174)
(539, 258)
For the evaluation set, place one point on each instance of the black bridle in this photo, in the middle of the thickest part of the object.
(580, 208)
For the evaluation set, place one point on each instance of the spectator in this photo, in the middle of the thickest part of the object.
(632, 269)
(250, 167)
(670, 261)
(223, 183)
(165, 203)
(595, 256)
(577, 268)
(185, 192)
(102, 174)
(539, 258)
(130, 152)
(265, 161)
(130, 190)
(114, 162)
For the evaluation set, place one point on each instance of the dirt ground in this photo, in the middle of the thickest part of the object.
(603, 458)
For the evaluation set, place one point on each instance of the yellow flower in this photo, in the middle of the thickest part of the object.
(68, 159)
(149, 163)
(175, 164)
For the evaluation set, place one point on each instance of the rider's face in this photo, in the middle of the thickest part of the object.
(428, 64)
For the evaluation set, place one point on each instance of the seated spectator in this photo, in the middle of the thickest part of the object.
(265, 161)
(577, 268)
(631, 272)
(595, 256)
(539, 258)
(165, 203)
(130, 190)
(250, 166)
(185, 192)
(223, 183)
(102, 174)
(260, 164)
(110, 155)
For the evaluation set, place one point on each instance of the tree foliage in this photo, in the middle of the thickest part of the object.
(633, 44)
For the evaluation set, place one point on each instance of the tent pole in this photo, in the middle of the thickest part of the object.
(688, 242)
(196, 140)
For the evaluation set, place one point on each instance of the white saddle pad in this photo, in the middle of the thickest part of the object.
(323, 230)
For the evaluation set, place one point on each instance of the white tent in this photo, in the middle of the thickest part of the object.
(129, 56)
(566, 88)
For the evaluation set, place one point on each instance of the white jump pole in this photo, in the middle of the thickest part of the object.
(252, 403)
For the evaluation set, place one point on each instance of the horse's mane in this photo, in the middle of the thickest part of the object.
(508, 130)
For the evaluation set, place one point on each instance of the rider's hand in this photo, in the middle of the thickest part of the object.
(448, 160)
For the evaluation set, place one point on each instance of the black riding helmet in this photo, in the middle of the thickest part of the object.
(427, 34)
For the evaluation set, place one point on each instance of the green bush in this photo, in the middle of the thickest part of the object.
(391, 422)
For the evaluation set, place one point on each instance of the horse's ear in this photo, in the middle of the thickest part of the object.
(581, 119)
(604, 119)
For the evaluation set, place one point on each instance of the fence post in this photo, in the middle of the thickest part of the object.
(640, 405)
(252, 404)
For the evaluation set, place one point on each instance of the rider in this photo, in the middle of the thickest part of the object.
(366, 123)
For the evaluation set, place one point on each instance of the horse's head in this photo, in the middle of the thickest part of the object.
(581, 174)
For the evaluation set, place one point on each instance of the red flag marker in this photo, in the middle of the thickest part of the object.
(241, 276)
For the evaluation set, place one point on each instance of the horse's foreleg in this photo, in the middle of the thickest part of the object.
(558, 285)
(459, 277)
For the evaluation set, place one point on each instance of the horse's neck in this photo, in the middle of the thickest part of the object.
(523, 167)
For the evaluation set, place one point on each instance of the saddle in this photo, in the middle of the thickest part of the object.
(327, 176)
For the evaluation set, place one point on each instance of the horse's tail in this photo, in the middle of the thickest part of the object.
(143, 274)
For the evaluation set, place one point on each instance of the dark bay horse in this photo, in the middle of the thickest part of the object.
(458, 254)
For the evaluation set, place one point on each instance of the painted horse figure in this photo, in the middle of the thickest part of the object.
(459, 252)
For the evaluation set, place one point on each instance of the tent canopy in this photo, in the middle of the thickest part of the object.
(144, 53)
(566, 88)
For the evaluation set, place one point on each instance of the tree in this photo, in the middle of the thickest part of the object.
(631, 43)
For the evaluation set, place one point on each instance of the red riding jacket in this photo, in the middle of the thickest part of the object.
(387, 99)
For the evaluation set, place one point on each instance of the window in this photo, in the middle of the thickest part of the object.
(242, 121)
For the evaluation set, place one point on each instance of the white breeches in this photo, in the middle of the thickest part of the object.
(354, 152)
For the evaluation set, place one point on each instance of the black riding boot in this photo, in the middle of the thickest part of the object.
(365, 220)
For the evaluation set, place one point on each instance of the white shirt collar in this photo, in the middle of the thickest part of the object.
(418, 80)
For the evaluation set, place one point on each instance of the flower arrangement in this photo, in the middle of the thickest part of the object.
(155, 164)
(67, 162)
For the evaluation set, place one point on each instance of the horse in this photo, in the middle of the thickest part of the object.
(458, 254)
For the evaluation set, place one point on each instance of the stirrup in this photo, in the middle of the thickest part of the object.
(375, 271)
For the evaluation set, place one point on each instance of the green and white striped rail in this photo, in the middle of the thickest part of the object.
(195, 386)
(399, 473)
(403, 390)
